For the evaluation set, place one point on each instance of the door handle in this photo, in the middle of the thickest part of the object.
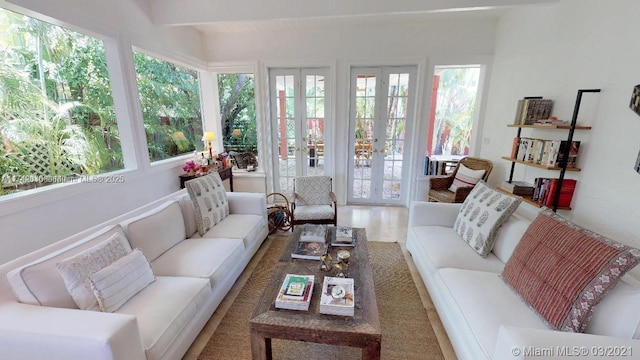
(297, 148)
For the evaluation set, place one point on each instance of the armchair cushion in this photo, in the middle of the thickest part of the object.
(209, 200)
(466, 177)
(313, 190)
(313, 212)
(481, 216)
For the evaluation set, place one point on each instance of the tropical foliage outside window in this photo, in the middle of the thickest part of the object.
(238, 112)
(455, 108)
(57, 119)
(170, 102)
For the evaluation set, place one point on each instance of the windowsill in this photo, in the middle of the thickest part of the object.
(248, 174)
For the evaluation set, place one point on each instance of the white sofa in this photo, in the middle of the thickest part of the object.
(485, 319)
(193, 275)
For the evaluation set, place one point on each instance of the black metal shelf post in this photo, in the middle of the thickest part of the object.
(567, 149)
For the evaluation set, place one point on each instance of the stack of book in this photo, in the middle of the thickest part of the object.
(312, 243)
(545, 191)
(519, 188)
(531, 109)
(295, 293)
(343, 236)
(338, 297)
(312, 232)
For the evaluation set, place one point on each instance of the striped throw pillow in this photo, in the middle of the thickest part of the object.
(562, 271)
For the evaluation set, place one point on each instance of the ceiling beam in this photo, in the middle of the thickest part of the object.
(196, 12)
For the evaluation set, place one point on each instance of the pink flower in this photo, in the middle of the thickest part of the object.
(191, 166)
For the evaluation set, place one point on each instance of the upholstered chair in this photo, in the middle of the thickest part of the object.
(454, 187)
(313, 201)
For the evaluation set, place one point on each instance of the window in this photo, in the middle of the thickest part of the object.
(57, 119)
(455, 91)
(238, 112)
(170, 102)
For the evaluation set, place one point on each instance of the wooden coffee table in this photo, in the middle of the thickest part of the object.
(362, 330)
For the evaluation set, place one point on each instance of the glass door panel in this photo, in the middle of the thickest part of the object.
(299, 108)
(314, 136)
(378, 129)
(365, 100)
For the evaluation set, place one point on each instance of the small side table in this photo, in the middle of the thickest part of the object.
(225, 174)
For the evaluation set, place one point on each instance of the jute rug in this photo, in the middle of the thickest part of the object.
(406, 331)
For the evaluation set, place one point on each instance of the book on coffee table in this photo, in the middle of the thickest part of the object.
(295, 293)
(337, 296)
(314, 233)
(309, 250)
(343, 236)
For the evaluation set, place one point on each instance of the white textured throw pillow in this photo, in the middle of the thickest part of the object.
(209, 200)
(466, 177)
(481, 216)
(115, 284)
(75, 270)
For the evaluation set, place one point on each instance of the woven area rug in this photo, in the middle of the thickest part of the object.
(406, 331)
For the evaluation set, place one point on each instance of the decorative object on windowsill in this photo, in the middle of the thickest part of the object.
(244, 160)
(635, 99)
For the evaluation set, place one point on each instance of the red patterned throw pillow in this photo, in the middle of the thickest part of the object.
(562, 271)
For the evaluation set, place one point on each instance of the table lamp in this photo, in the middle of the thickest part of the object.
(209, 136)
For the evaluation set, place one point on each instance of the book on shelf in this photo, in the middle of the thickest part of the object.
(522, 149)
(338, 296)
(545, 190)
(552, 153)
(566, 192)
(343, 236)
(518, 188)
(515, 147)
(573, 153)
(309, 250)
(531, 109)
(295, 292)
(313, 232)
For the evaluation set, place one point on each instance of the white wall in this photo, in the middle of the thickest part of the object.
(42, 217)
(423, 42)
(553, 51)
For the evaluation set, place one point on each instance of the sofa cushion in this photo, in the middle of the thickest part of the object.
(509, 236)
(201, 257)
(617, 314)
(209, 200)
(466, 177)
(238, 226)
(115, 284)
(164, 308)
(481, 216)
(442, 248)
(75, 270)
(482, 303)
(157, 230)
(563, 271)
(189, 215)
(40, 283)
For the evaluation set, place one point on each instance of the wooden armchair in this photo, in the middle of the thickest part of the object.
(313, 201)
(439, 186)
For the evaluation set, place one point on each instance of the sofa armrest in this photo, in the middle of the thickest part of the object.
(525, 343)
(423, 213)
(40, 332)
(247, 203)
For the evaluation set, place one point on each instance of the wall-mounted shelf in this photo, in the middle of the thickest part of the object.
(528, 200)
(540, 166)
(563, 166)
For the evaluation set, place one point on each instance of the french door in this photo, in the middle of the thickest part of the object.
(382, 108)
(299, 115)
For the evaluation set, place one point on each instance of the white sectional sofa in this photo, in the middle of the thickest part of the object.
(485, 319)
(193, 274)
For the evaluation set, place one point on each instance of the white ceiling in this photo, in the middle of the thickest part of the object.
(220, 16)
